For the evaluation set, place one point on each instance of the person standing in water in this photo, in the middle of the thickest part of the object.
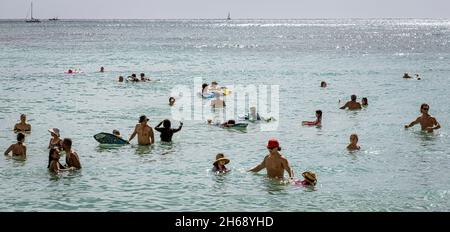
(144, 132)
(352, 105)
(55, 141)
(102, 69)
(72, 159)
(22, 126)
(353, 143)
(166, 131)
(18, 149)
(53, 161)
(274, 162)
(364, 101)
(318, 121)
(219, 164)
(426, 121)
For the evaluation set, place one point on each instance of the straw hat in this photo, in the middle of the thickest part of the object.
(220, 157)
(54, 131)
(310, 177)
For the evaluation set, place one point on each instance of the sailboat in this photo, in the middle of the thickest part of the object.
(228, 18)
(32, 20)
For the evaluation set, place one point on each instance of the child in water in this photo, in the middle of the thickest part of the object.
(116, 133)
(353, 143)
(310, 179)
(219, 164)
(318, 121)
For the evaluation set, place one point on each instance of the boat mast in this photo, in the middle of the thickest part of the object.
(31, 10)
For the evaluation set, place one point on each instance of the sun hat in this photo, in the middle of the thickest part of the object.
(220, 157)
(310, 177)
(54, 131)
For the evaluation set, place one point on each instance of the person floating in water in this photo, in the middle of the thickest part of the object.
(323, 84)
(144, 132)
(53, 161)
(274, 162)
(72, 158)
(55, 141)
(318, 121)
(143, 78)
(309, 181)
(171, 101)
(166, 131)
(426, 121)
(102, 69)
(120, 78)
(18, 149)
(406, 76)
(133, 78)
(219, 164)
(353, 143)
(352, 104)
(364, 101)
(22, 126)
(417, 77)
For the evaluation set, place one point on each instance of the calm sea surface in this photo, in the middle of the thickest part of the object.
(396, 170)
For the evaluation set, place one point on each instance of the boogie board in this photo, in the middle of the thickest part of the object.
(107, 138)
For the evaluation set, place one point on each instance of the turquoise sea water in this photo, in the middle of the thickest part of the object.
(396, 170)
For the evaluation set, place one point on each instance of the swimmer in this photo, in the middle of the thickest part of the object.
(318, 121)
(102, 69)
(171, 101)
(427, 122)
(55, 141)
(143, 131)
(406, 76)
(353, 143)
(364, 101)
(417, 77)
(274, 162)
(133, 78)
(205, 89)
(22, 126)
(19, 148)
(53, 161)
(310, 179)
(323, 84)
(72, 158)
(229, 123)
(219, 164)
(143, 78)
(166, 131)
(352, 105)
(120, 78)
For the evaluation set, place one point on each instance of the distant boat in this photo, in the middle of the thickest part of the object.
(32, 20)
(228, 18)
(53, 19)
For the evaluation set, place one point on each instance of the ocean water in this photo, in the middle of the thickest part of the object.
(396, 170)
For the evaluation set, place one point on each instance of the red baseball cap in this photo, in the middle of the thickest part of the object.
(273, 143)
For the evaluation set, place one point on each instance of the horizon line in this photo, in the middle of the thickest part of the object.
(312, 18)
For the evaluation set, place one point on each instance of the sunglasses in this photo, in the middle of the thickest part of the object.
(425, 108)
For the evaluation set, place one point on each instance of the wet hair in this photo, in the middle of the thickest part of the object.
(50, 153)
(166, 123)
(424, 105)
(323, 84)
(171, 98)
(68, 142)
(23, 116)
(133, 75)
(364, 99)
(20, 137)
(353, 97)
(354, 135)
(142, 75)
(204, 86)
(319, 112)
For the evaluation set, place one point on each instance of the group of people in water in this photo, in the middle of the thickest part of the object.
(274, 162)
(134, 78)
